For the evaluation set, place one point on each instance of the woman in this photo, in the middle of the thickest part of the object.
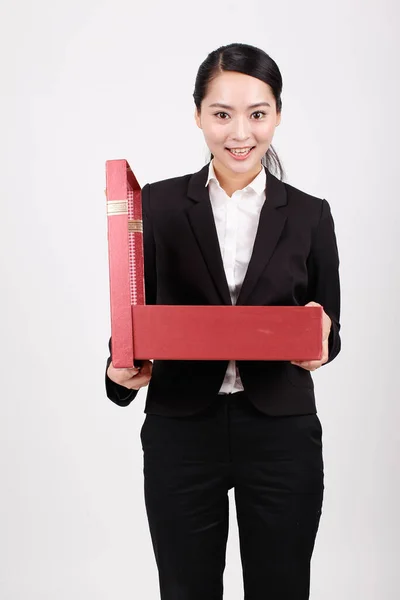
(234, 233)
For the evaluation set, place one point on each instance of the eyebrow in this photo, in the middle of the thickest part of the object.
(220, 105)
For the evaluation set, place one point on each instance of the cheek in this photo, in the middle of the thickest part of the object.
(265, 134)
(212, 134)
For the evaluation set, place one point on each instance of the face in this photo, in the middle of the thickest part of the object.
(238, 112)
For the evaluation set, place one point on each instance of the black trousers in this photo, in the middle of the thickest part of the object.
(275, 466)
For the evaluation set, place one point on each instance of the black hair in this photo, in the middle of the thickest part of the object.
(249, 60)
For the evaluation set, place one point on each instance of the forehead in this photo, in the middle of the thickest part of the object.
(237, 89)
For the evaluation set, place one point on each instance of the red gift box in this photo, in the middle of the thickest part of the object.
(140, 331)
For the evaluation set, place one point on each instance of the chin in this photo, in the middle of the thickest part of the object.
(239, 166)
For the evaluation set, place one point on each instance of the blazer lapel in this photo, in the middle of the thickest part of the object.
(269, 230)
(270, 227)
(201, 219)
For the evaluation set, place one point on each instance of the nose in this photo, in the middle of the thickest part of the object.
(240, 129)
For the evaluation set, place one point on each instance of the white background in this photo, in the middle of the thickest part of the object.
(83, 82)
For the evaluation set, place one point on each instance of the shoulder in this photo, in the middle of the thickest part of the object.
(301, 202)
(164, 195)
(177, 193)
(298, 196)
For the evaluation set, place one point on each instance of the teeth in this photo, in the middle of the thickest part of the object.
(239, 151)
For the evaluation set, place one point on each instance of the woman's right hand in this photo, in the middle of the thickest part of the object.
(133, 378)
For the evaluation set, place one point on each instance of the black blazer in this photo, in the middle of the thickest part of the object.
(294, 261)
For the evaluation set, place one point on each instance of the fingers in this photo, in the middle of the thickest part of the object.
(131, 377)
(309, 365)
(143, 378)
(325, 352)
(138, 382)
(312, 365)
(326, 326)
(128, 370)
(326, 321)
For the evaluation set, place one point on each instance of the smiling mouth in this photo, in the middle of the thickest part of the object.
(240, 151)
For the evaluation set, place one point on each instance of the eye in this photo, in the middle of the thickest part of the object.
(259, 112)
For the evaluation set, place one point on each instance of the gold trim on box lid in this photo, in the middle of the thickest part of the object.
(117, 207)
(135, 225)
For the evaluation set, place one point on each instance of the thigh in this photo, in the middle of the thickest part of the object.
(186, 495)
(278, 492)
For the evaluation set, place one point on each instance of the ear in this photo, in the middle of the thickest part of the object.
(278, 119)
(197, 118)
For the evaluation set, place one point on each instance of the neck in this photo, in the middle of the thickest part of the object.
(231, 181)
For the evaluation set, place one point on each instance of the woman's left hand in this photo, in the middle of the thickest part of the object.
(311, 365)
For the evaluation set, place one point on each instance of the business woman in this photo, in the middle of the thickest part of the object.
(234, 233)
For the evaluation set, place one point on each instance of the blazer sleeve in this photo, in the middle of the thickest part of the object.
(120, 394)
(323, 273)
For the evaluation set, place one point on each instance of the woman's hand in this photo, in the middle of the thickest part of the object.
(311, 365)
(133, 378)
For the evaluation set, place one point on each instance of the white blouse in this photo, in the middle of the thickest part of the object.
(236, 220)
